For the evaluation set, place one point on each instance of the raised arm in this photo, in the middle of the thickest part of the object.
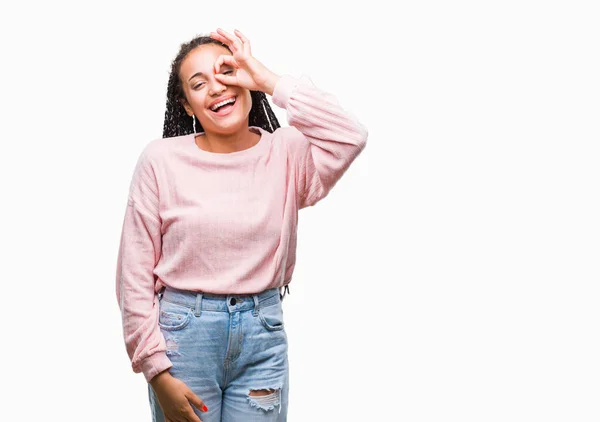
(327, 141)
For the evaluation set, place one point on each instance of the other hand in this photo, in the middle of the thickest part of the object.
(176, 399)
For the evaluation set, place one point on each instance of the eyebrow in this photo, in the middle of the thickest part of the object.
(194, 75)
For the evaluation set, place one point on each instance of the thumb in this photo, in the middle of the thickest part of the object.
(196, 401)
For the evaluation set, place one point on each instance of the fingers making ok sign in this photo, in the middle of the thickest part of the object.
(249, 72)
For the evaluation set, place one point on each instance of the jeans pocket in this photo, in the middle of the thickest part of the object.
(271, 316)
(173, 316)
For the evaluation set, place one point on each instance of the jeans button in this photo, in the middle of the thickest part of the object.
(232, 301)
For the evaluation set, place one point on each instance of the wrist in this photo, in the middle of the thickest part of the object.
(158, 378)
(270, 83)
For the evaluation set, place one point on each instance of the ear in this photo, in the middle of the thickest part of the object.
(186, 106)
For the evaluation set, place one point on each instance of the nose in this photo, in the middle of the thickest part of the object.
(216, 87)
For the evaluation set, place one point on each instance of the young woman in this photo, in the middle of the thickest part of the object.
(209, 235)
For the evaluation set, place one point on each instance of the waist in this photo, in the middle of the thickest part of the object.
(220, 302)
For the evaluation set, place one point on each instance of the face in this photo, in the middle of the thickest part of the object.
(203, 91)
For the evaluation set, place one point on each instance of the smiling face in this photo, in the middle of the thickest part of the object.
(203, 92)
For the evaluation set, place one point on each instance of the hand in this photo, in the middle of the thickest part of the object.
(250, 73)
(174, 398)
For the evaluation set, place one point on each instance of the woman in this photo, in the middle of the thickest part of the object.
(209, 234)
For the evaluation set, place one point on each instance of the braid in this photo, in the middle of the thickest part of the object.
(261, 113)
(177, 122)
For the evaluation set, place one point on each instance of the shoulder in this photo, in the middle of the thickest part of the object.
(153, 159)
(157, 150)
(159, 146)
(295, 141)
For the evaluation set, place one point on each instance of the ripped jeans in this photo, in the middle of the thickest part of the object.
(230, 350)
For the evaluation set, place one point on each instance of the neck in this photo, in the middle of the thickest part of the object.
(225, 143)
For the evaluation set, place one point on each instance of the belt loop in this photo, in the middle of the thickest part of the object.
(255, 297)
(198, 304)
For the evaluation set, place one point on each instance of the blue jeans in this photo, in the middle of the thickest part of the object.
(224, 346)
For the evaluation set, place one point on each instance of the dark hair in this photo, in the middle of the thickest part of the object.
(178, 122)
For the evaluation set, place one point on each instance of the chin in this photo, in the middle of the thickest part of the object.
(230, 126)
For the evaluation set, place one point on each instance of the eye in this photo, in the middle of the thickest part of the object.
(199, 85)
(229, 71)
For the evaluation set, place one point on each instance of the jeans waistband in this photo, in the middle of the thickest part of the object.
(200, 301)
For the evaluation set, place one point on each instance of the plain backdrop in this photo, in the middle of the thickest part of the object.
(451, 275)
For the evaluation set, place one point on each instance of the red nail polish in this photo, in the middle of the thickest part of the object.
(204, 408)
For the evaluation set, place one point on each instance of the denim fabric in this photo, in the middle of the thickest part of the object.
(223, 346)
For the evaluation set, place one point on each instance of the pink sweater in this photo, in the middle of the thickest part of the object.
(225, 222)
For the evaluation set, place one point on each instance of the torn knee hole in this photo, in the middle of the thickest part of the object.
(261, 392)
(265, 399)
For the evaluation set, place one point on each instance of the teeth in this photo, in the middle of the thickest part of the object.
(222, 103)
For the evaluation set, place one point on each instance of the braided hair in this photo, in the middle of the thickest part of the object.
(178, 122)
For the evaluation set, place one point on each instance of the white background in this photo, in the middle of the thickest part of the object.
(451, 275)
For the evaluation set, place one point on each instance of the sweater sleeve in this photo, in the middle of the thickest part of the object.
(139, 251)
(329, 137)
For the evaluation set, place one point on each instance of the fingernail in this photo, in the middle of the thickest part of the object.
(204, 408)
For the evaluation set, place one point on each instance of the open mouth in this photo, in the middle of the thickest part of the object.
(224, 107)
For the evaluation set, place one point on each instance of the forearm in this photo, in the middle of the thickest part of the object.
(270, 82)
